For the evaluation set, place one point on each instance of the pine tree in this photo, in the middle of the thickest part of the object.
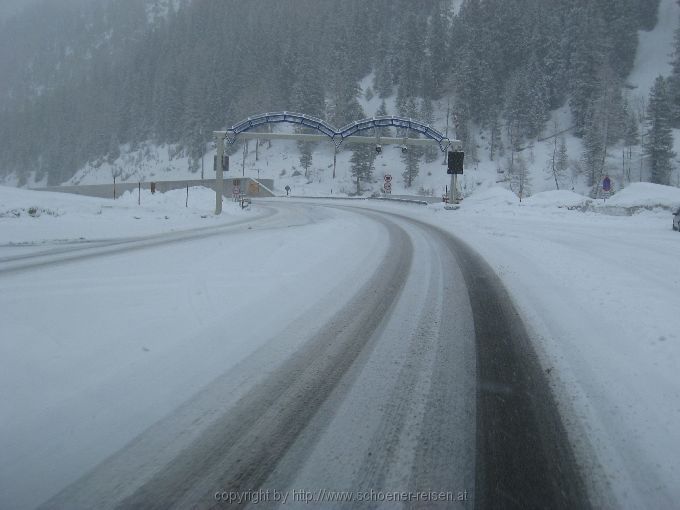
(363, 157)
(593, 150)
(305, 149)
(585, 37)
(631, 138)
(382, 109)
(496, 142)
(674, 80)
(520, 182)
(622, 23)
(412, 167)
(431, 152)
(659, 137)
(558, 162)
(461, 125)
(412, 155)
(562, 163)
(537, 90)
(438, 57)
(382, 112)
(383, 80)
(610, 105)
(308, 95)
(648, 13)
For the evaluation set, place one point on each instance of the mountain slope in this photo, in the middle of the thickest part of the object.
(502, 65)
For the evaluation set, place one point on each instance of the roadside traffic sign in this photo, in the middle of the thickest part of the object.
(388, 178)
(606, 183)
(455, 162)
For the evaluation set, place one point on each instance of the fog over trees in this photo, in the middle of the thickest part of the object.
(84, 77)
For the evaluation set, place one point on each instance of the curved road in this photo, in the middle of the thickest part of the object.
(425, 381)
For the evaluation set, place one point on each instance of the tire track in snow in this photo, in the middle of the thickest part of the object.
(242, 449)
(55, 256)
(522, 458)
(521, 455)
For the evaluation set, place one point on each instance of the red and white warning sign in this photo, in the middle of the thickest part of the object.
(388, 183)
(235, 191)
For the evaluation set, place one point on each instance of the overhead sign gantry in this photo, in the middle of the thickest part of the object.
(336, 136)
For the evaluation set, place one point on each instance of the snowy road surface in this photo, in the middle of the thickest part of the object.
(313, 347)
(367, 380)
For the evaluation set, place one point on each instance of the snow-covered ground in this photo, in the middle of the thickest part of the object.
(86, 348)
(655, 48)
(34, 218)
(90, 344)
(598, 289)
(600, 294)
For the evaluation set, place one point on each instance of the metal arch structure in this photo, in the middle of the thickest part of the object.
(398, 122)
(337, 136)
(276, 117)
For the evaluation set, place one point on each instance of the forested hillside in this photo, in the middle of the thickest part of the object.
(80, 78)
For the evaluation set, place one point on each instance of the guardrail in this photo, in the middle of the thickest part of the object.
(404, 199)
(264, 187)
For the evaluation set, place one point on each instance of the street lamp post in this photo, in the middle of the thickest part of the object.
(219, 177)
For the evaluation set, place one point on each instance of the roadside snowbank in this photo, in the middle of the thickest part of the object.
(557, 198)
(491, 197)
(635, 197)
(36, 217)
(647, 195)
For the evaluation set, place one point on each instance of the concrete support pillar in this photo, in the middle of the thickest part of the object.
(219, 177)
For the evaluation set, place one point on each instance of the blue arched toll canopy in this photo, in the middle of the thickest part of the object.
(272, 118)
(337, 135)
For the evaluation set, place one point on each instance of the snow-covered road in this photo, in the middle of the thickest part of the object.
(96, 350)
(316, 347)
(600, 295)
(337, 345)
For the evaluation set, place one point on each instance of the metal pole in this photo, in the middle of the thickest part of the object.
(452, 190)
(335, 155)
(114, 187)
(642, 143)
(219, 177)
(245, 153)
(139, 193)
(446, 133)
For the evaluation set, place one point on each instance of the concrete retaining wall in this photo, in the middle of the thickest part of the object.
(251, 187)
